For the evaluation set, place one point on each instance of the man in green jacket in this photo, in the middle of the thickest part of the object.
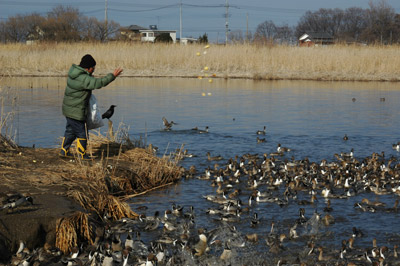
(80, 84)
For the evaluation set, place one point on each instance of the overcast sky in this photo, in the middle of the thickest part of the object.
(198, 17)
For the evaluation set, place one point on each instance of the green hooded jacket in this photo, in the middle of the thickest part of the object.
(79, 88)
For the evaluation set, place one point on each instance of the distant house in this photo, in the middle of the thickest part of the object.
(187, 40)
(131, 32)
(315, 38)
(138, 33)
(35, 36)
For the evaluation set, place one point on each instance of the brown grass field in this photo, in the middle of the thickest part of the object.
(333, 63)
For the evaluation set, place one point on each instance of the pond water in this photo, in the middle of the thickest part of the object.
(311, 118)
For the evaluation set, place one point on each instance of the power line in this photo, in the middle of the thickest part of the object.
(143, 10)
(92, 11)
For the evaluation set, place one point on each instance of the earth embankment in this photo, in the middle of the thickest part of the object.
(61, 188)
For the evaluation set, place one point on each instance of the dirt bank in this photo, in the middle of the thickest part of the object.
(61, 187)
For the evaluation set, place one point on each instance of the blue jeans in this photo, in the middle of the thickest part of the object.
(74, 129)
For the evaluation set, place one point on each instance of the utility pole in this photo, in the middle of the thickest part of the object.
(247, 27)
(226, 22)
(180, 24)
(105, 21)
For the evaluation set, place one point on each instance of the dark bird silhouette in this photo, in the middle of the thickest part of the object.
(108, 114)
(168, 125)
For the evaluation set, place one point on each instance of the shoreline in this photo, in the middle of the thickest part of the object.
(215, 77)
(66, 212)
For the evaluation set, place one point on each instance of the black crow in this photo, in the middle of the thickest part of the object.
(108, 114)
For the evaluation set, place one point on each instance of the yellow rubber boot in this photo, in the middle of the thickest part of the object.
(65, 150)
(81, 144)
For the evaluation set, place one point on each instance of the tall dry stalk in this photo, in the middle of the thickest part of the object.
(7, 117)
(72, 230)
(337, 62)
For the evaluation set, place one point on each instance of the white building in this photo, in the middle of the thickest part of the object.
(188, 40)
(151, 35)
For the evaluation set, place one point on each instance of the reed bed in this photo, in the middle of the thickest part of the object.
(337, 62)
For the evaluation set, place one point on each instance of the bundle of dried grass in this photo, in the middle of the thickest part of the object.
(103, 204)
(114, 142)
(123, 170)
(150, 171)
(72, 230)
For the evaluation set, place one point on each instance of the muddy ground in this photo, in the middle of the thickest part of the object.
(49, 180)
(37, 173)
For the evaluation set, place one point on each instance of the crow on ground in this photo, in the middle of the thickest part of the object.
(108, 114)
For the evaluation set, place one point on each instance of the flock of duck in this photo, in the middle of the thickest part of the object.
(237, 234)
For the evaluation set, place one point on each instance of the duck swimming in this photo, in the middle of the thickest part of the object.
(200, 131)
(260, 140)
(396, 146)
(261, 132)
(214, 158)
(281, 149)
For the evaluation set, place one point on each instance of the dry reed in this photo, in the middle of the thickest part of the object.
(72, 230)
(104, 205)
(338, 62)
(123, 170)
(7, 118)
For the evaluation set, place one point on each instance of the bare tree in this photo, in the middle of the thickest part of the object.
(381, 22)
(2, 32)
(323, 20)
(98, 30)
(64, 24)
(396, 30)
(61, 24)
(354, 22)
(236, 36)
(265, 32)
(284, 34)
(15, 30)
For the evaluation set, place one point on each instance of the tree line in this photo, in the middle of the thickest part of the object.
(377, 24)
(61, 24)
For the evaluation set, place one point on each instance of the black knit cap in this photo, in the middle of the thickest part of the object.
(87, 61)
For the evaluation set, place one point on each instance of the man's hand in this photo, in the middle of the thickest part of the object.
(117, 72)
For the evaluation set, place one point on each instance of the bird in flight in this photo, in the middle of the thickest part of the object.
(168, 125)
(108, 114)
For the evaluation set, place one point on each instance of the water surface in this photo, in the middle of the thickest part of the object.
(309, 117)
